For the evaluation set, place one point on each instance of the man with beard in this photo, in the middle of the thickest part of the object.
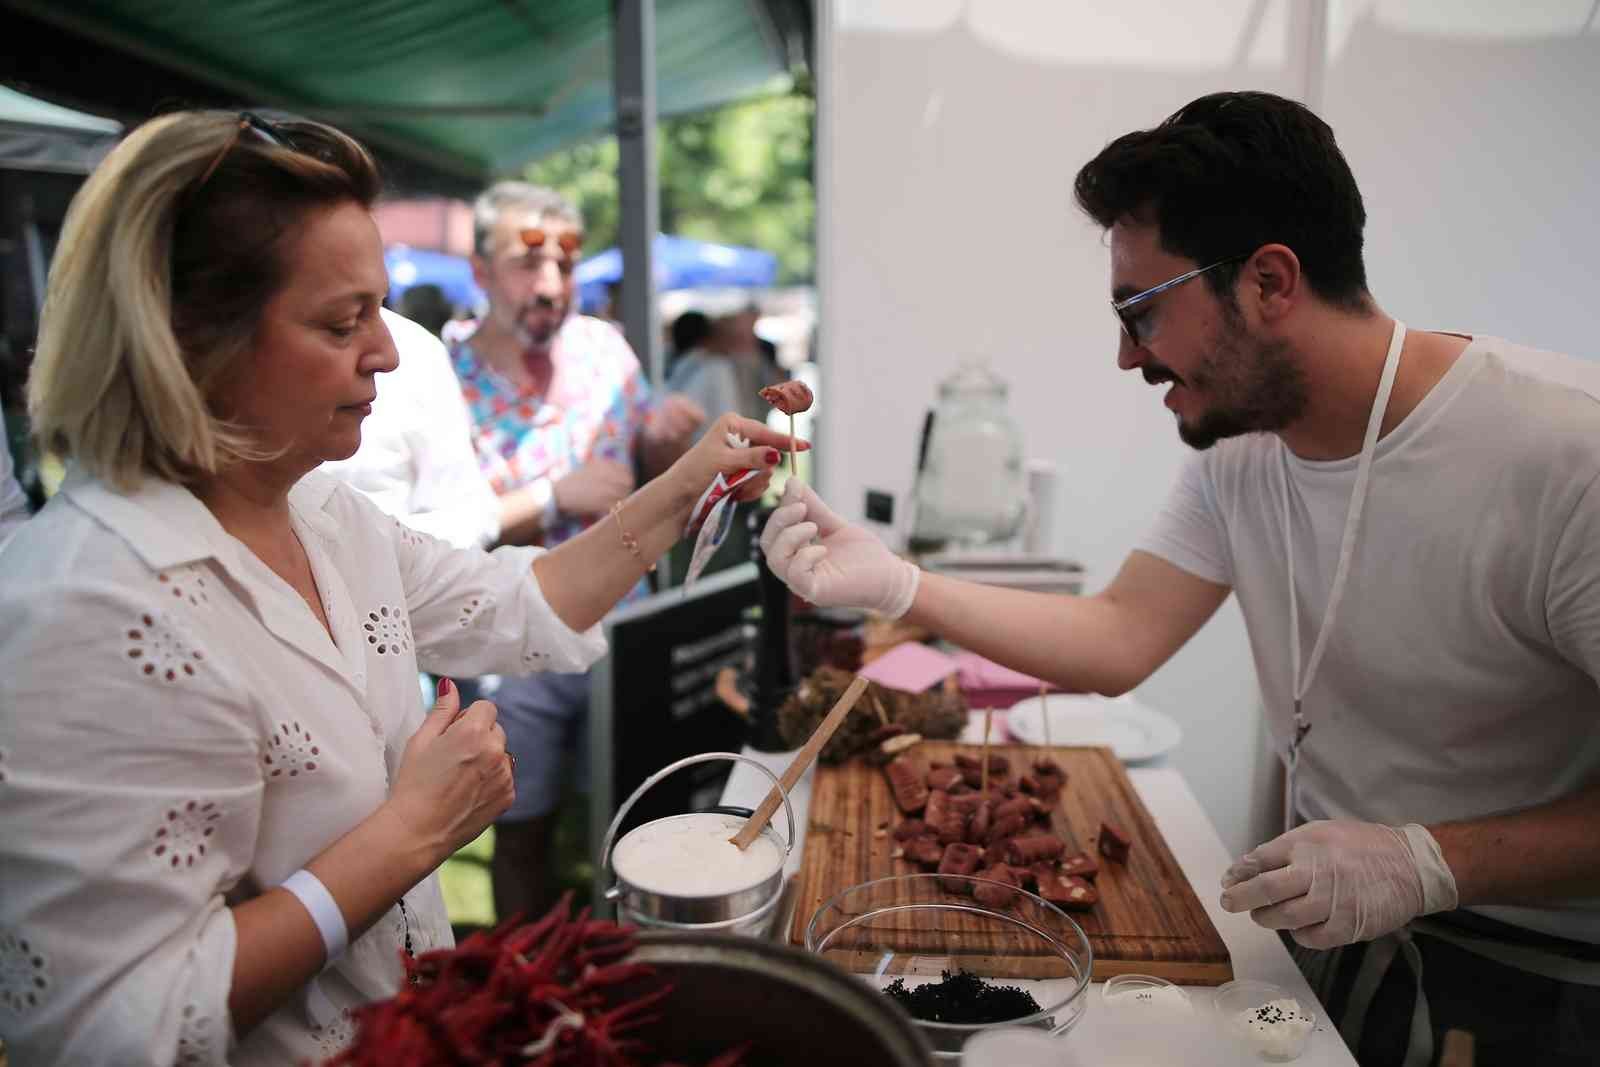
(563, 417)
(1411, 523)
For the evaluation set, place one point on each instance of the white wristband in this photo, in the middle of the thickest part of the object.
(309, 890)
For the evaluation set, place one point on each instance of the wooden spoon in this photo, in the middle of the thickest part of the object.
(802, 759)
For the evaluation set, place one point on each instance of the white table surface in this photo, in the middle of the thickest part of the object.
(1100, 1039)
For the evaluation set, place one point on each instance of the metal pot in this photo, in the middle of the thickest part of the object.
(747, 910)
(796, 1010)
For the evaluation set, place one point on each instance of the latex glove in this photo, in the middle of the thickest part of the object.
(1332, 883)
(831, 563)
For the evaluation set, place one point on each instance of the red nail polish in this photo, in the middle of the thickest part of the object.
(772, 456)
(444, 687)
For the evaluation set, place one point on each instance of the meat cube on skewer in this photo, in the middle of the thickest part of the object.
(959, 859)
(938, 806)
(791, 397)
(943, 777)
(906, 782)
(1114, 844)
(996, 852)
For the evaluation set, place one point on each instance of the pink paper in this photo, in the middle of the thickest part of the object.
(976, 672)
(911, 667)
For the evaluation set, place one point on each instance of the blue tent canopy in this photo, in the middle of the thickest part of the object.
(680, 263)
(415, 266)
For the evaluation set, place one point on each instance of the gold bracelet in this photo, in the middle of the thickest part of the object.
(629, 542)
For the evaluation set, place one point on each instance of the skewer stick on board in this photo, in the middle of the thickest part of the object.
(1044, 712)
(877, 706)
(797, 767)
(984, 789)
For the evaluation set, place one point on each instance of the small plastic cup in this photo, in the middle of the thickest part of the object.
(1145, 998)
(1264, 1018)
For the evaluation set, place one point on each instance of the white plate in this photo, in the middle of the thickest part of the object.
(1133, 731)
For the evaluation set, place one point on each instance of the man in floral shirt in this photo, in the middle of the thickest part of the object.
(563, 416)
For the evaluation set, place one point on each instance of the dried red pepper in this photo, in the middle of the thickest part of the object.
(559, 992)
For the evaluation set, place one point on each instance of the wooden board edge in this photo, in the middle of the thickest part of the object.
(1209, 973)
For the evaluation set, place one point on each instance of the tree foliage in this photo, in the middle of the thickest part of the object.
(740, 175)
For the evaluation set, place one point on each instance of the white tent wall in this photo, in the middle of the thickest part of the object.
(949, 133)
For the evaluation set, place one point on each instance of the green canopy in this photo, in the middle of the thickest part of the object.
(467, 88)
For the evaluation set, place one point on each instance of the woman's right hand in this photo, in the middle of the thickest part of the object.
(831, 563)
(455, 777)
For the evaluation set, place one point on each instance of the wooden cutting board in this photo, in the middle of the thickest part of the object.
(1147, 921)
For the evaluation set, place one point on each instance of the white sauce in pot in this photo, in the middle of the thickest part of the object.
(691, 856)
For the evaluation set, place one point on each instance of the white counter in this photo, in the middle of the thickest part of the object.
(1098, 1040)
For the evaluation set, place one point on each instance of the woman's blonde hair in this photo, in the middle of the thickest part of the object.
(169, 253)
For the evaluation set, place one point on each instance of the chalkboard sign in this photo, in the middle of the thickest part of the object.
(653, 698)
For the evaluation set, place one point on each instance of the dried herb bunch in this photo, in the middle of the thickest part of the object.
(553, 993)
(936, 714)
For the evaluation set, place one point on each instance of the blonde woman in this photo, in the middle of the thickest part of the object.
(221, 807)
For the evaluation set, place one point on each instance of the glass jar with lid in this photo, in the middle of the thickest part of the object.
(972, 489)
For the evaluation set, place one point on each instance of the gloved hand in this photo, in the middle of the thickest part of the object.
(831, 563)
(1332, 883)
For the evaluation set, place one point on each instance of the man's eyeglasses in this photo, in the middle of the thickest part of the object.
(569, 241)
(1130, 322)
(256, 125)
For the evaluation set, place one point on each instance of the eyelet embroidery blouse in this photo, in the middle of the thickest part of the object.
(179, 733)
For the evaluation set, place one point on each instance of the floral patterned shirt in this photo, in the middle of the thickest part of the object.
(596, 405)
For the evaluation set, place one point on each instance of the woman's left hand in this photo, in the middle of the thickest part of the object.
(714, 454)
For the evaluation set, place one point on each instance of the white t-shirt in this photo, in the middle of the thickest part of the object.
(416, 460)
(179, 733)
(1460, 676)
(13, 504)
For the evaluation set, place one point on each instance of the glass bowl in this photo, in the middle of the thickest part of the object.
(1254, 1015)
(914, 929)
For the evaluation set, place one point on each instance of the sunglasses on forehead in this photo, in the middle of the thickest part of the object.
(257, 127)
(569, 241)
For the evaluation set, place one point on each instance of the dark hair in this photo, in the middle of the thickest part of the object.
(228, 234)
(1230, 172)
(426, 305)
(689, 330)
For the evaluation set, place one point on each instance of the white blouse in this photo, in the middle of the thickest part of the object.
(177, 733)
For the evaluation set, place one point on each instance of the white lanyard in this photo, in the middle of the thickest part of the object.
(1347, 545)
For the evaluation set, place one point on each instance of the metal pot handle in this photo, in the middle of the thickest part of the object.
(703, 757)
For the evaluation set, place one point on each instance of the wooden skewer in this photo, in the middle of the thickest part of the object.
(877, 706)
(793, 471)
(1044, 712)
(802, 759)
(984, 788)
